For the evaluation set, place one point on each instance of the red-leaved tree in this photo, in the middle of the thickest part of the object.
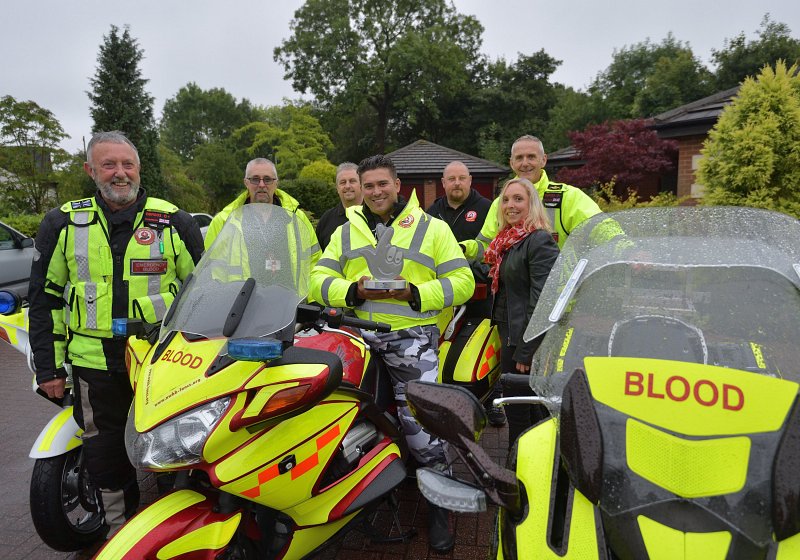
(624, 151)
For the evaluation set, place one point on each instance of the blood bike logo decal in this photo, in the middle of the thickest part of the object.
(144, 236)
(407, 221)
(471, 216)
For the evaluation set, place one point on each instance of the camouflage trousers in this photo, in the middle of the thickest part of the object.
(411, 354)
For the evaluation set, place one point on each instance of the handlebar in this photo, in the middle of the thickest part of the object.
(333, 317)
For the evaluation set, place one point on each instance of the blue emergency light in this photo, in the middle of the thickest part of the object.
(255, 349)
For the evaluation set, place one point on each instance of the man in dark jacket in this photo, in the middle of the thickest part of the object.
(465, 211)
(348, 185)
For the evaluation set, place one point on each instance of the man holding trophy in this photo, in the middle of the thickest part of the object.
(393, 263)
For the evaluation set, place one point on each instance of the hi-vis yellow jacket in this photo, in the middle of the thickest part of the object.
(83, 270)
(565, 205)
(286, 201)
(432, 261)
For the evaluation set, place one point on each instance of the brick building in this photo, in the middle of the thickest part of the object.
(420, 166)
(689, 125)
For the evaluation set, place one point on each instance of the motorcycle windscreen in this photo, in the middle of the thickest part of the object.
(700, 335)
(262, 242)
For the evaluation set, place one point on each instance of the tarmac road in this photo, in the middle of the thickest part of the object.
(23, 414)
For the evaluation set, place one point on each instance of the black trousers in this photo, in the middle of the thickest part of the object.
(520, 416)
(102, 401)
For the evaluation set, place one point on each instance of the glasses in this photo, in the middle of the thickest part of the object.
(255, 181)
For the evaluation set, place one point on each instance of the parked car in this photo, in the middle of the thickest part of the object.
(16, 254)
(203, 220)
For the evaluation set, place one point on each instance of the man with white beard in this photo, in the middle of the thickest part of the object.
(119, 254)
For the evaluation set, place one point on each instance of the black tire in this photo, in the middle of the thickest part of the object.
(63, 503)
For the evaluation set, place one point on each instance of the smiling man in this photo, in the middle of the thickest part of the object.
(119, 254)
(348, 187)
(427, 256)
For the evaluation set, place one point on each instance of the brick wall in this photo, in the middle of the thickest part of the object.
(688, 148)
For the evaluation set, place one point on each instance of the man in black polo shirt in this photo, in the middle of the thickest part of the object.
(465, 211)
(348, 185)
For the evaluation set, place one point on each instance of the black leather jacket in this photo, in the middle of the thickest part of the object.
(522, 275)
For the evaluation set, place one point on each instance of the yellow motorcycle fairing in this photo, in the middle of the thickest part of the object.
(681, 458)
(538, 469)
(185, 512)
(472, 359)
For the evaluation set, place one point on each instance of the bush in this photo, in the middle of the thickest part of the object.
(609, 202)
(314, 195)
(25, 223)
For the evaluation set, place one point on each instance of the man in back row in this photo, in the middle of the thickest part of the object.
(261, 184)
(464, 209)
(348, 187)
(566, 206)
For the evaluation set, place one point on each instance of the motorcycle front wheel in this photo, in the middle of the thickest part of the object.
(63, 503)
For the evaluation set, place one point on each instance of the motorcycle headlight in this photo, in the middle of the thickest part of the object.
(175, 443)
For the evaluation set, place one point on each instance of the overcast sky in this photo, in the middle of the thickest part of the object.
(48, 48)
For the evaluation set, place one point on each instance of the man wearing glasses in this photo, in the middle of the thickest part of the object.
(261, 181)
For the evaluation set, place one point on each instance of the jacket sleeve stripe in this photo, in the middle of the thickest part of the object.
(326, 284)
(332, 264)
(450, 266)
(447, 291)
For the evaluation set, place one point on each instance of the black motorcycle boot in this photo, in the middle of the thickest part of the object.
(440, 533)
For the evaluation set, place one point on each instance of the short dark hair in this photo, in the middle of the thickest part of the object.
(377, 162)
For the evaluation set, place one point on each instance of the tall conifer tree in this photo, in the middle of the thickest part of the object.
(120, 102)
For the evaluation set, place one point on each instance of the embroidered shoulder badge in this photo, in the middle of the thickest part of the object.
(406, 222)
(78, 204)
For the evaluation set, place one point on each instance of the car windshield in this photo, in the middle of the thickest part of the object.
(261, 258)
(728, 273)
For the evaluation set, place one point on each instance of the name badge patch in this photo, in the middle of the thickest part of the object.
(552, 199)
(157, 220)
(148, 266)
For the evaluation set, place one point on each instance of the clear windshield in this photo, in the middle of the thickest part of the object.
(729, 274)
(259, 241)
(715, 286)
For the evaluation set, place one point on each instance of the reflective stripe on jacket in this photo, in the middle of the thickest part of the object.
(565, 205)
(82, 272)
(432, 261)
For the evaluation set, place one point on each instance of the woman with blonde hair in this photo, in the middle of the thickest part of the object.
(520, 258)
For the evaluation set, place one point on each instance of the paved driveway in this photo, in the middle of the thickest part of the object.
(23, 414)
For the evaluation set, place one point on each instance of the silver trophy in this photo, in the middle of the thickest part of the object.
(385, 262)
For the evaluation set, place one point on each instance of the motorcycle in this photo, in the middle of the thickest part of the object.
(64, 507)
(668, 363)
(271, 411)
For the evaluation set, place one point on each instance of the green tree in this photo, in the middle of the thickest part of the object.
(322, 170)
(573, 110)
(73, 182)
(184, 192)
(196, 116)
(741, 58)
(751, 157)
(632, 66)
(289, 135)
(29, 156)
(217, 169)
(119, 101)
(398, 56)
(673, 82)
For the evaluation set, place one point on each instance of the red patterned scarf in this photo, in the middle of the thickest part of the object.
(506, 238)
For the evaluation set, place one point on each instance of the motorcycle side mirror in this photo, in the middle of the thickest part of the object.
(447, 411)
